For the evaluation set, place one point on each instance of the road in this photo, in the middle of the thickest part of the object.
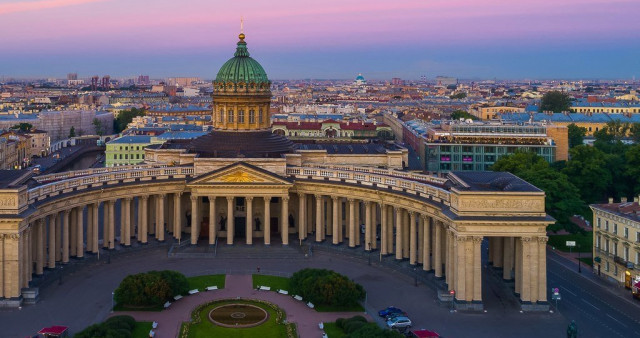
(598, 310)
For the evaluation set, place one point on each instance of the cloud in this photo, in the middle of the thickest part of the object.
(27, 6)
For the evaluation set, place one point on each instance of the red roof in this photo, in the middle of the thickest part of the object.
(425, 333)
(53, 330)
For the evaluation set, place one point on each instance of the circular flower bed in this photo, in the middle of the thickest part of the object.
(238, 315)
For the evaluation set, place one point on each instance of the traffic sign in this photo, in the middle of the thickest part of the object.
(571, 243)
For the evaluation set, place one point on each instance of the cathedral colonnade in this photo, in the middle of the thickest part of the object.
(240, 205)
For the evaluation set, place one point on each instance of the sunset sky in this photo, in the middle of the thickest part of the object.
(323, 39)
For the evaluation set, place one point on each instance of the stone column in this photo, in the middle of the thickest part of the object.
(374, 224)
(352, 221)
(477, 268)
(212, 220)
(437, 250)
(267, 220)
(358, 223)
(459, 283)
(384, 237)
(151, 214)
(413, 241)
(532, 260)
(319, 217)
(249, 222)
(284, 219)
(52, 240)
(230, 221)
(390, 229)
(194, 220)
(507, 258)
(341, 214)
(80, 233)
(420, 239)
(106, 226)
(336, 221)
(449, 256)
(58, 238)
(160, 201)
(40, 246)
(72, 231)
(94, 224)
(405, 234)
(302, 218)
(525, 269)
(125, 209)
(399, 227)
(426, 239)
(65, 236)
(542, 268)
(497, 253)
(112, 224)
(367, 225)
(177, 215)
(90, 228)
(143, 210)
(518, 266)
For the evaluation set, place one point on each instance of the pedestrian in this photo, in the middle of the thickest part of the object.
(258, 268)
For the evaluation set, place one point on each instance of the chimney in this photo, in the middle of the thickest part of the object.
(623, 200)
(610, 200)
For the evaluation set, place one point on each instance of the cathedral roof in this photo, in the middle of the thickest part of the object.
(241, 68)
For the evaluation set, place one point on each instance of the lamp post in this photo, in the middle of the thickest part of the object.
(112, 302)
(415, 276)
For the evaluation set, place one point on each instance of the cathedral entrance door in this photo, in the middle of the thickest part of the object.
(240, 227)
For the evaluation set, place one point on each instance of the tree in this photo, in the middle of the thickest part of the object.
(587, 171)
(461, 95)
(97, 124)
(609, 138)
(125, 117)
(519, 162)
(22, 126)
(576, 135)
(634, 132)
(72, 132)
(632, 168)
(461, 114)
(326, 287)
(555, 101)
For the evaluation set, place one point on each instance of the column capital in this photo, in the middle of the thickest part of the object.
(543, 239)
(179, 193)
(477, 239)
(302, 194)
(461, 238)
(412, 213)
(128, 199)
(425, 217)
(163, 196)
(351, 200)
(193, 198)
(249, 198)
(335, 198)
(397, 208)
(285, 198)
(40, 220)
(212, 198)
(267, 198)
(317, 196)
(144, 197)
(525, 239)
(229, 199)
(66, 212)
(366, 203)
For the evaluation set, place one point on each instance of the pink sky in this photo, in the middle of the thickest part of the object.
(159, 24)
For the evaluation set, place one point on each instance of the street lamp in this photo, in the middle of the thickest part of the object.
(415, 276)
(112, 302)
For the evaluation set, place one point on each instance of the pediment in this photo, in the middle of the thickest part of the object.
(242, 174)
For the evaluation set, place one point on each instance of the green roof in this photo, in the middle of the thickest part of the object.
(242, 68)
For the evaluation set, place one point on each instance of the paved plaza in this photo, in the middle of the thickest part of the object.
(84, 297)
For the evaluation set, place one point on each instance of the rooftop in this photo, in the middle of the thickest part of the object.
(490, 181)
(131, 139)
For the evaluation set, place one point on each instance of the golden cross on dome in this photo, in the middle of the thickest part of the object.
(241, 25)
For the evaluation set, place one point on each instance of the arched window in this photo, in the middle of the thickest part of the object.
(252, 116)
(220, 115)
(241, 116)
(230, 116)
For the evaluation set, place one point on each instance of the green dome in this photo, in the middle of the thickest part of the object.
(242, 68)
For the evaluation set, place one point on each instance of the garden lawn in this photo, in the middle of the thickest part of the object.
(202, 282)
(141, 330)
(333, 331)
(269, 329)
(339, 308)
(584, 243)
(276, 283)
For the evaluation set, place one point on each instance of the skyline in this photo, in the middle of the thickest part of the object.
(336, 39)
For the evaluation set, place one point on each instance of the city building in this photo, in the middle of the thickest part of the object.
(126, 150)
(40, 142)
(616, 240)
(475, 146)
(242, 184)
(332, 129)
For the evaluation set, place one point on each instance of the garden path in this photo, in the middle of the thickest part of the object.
(170, 320)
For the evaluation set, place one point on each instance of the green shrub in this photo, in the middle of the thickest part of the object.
(340, 323)
(150, 289)
(352, 326)
(326, 287)
(372, 330)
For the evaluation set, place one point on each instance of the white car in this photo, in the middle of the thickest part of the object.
(399, 322)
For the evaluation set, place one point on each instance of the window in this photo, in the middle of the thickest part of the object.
(615, 248)
(638, 257)
(615, 228)
(260, 115)
(230, 116)
(606, 225)
(252, 116)
(626, 253)
(220, 115)
(626, 233)
(598, 241)
(599, 222)
(126, 156)
(606, 266)
(638, 237)
(606, 245)
(241, 116)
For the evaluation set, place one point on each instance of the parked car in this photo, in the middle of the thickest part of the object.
(388, 311)
(397, 314)
(399, 323)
